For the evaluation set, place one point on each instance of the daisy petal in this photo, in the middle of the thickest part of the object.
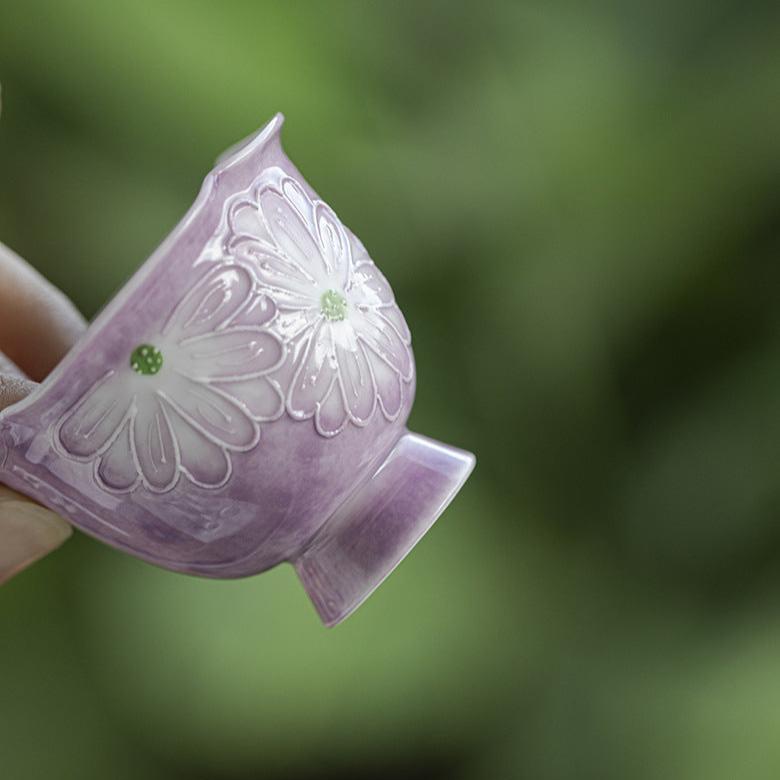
(116, 468)
(298, 199)
(359, 252)
(294, 326)
(314, 374)
(285, 279)
(259, 312)
(204, 461)
(91, 424)
(234, 353)
(393, 315)
(372, 286)
(292, 235)
(334, 244)
(216, 298)
(388, 386)
(357, 383)
(331, 415)
(260, 396)
(383, 339)
(212, 412)
(246, 224)
(284, 375)
(154, 444)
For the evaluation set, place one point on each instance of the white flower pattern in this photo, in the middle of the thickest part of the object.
(291, 314)
(182, 403)
(348, 346)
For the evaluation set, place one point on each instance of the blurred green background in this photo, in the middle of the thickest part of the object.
(578, 205)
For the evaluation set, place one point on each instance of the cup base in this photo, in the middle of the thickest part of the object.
(372, 532)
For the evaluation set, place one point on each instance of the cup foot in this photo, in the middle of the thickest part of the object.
(380, 523)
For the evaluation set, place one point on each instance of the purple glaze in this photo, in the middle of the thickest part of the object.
(242, 401)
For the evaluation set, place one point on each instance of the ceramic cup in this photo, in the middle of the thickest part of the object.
(242, 401)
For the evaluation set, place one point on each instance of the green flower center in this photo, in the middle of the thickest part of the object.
(146, 359)
(333, 305)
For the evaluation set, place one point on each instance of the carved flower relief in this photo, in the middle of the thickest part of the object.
(189, 397)
(293, 314)
(348, 346)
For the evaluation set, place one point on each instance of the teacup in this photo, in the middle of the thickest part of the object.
(242, 400)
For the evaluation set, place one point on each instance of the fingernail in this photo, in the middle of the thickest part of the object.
(27, 533)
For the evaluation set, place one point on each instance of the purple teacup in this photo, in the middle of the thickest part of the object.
(242, 401)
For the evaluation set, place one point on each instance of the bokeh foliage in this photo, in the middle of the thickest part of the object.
(578, 206)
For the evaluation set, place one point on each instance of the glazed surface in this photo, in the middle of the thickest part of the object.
(250, 376)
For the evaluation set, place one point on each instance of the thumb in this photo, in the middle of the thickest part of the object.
(28, 531)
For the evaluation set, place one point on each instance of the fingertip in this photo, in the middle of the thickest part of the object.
(13, 387)
(38, 322)
(28, 532)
